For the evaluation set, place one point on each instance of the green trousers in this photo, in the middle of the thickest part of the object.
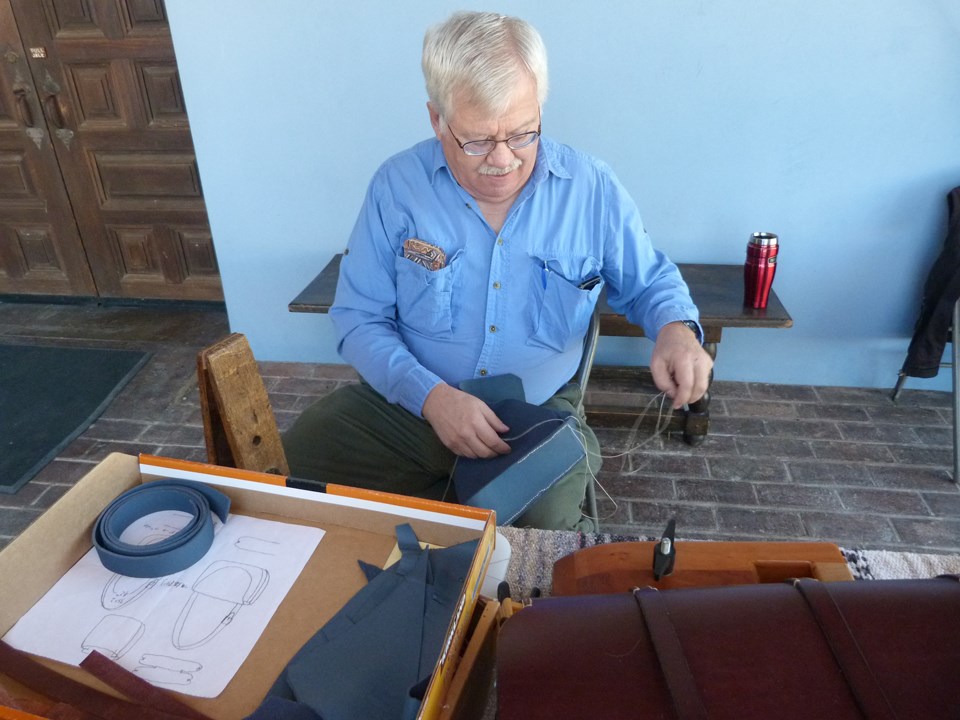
(355, 437)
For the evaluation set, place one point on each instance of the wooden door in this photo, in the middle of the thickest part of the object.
(40, 248)
(106, 77)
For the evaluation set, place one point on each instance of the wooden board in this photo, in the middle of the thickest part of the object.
(238, 421)
(620, 567)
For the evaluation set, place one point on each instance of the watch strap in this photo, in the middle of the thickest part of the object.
(695, 327)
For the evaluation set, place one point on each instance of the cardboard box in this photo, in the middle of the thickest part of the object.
(358, 525)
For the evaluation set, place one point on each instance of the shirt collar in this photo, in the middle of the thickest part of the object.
(439, 159)
(549, 160)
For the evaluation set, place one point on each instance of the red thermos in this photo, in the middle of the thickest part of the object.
(759, 269)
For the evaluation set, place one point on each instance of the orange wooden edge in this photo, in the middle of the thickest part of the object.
(410, 502)
(217, 470)
(13, 714)
(332, 488)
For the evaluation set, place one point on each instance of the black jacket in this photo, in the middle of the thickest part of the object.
(940, 293)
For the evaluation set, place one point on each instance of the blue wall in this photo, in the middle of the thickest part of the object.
(835, 125)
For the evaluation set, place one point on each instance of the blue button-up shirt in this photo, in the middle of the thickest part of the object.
(507, 302)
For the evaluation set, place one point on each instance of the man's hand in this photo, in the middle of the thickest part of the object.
(680, 367)
(464, 423)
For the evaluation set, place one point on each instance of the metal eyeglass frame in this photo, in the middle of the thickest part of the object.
(532, 134)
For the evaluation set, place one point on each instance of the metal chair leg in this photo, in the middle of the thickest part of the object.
(591, 504)
(582, 377)
(901, 379)
(955, 372)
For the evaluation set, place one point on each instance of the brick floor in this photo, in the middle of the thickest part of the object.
(781, 462)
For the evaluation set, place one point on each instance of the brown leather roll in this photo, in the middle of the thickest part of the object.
(752, 651)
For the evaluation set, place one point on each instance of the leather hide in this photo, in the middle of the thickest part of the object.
(800, 650)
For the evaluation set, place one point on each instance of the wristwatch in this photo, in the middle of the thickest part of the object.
(696, 329)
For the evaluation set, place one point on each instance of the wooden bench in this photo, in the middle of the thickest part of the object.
(717, 291)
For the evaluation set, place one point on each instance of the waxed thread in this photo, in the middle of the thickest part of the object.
(632, 446)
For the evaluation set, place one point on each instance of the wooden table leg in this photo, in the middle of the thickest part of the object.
(693, 421)
(697, 414)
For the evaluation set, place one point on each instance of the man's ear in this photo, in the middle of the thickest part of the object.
(434, 119)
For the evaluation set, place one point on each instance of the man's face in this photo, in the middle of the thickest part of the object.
(498, 177)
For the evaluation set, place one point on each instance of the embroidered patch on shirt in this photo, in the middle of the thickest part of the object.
(423, 253)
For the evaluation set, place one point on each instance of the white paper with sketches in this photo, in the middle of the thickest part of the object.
(189, 632)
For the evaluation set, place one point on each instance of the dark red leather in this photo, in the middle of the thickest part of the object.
(680, 680)
(868, 649)
(136, 688)
(866, 688)
(74, 700)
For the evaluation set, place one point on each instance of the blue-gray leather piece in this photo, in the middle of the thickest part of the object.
(544, 446)
(172, 554)
(368, 660)
(494, 388)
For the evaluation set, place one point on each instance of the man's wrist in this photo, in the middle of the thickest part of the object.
(695, 328)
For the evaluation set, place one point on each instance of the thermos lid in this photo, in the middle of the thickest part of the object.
(763, 238)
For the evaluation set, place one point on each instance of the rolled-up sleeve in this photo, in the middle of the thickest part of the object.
(642, 283)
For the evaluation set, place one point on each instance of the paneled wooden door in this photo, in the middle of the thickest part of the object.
(106, 102)
(40, 248)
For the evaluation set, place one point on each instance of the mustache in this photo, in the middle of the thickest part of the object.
(490, 170)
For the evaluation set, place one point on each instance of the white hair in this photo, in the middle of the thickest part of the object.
(481, 55)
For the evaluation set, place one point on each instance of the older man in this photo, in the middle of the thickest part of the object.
(477, 253)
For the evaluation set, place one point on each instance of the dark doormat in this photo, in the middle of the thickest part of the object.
(48, 396)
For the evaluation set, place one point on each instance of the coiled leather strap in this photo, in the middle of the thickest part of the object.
(171, 554)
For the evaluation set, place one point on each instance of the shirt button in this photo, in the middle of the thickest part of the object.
(483, 372)
(496, 286)
(493, 328)
(499, 241)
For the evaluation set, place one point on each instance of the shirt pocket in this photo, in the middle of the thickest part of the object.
(562, 307)
(425, 297)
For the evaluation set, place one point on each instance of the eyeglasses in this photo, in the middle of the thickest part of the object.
(475, 148)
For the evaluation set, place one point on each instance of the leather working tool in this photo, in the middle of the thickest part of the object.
(170, 554)
(665, 551)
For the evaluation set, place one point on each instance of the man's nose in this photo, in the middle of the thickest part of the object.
(501, 156)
